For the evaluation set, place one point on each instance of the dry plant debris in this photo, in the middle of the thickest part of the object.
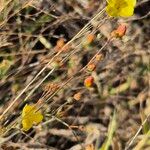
(74, 74)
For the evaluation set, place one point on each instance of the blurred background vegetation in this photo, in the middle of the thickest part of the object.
(106, 115)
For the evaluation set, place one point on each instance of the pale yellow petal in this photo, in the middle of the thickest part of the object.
(131, 2)
(120, 8)
(27, 109)
(30, 116)
(26, 124)
(126, 12)
(112, 11)
(111, 1)
(38, 118)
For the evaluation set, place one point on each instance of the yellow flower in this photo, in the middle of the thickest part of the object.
(120, 8)
(30, 116)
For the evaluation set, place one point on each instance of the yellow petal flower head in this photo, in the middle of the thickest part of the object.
(30, 116)
(120, 8)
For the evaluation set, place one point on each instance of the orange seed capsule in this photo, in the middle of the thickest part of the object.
(90, 38)
(88, 82)
(99, 57)
(91, 67)
(120, 31)
(60, 43)
(77, 96)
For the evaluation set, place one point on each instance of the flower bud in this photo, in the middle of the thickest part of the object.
(77, 96)
(91, 67)
(88, 82)
(120, 31)
(90, 38)
(99, 57)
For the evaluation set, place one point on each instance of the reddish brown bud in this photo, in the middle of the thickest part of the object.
(120, 31)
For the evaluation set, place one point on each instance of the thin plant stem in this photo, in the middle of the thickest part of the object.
(138, 131)
(41, 71)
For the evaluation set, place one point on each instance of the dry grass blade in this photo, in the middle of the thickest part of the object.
(74, 38)
(141, 143)
(65, 66)
(111, 130)
(135, 136)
